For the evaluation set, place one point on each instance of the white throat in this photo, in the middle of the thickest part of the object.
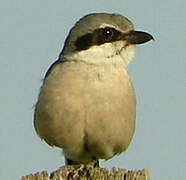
(107, 53)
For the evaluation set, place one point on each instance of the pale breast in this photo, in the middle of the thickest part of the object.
(87, 110)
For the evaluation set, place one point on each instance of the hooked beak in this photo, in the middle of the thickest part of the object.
(138, 37)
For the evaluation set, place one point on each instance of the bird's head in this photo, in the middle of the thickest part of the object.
(101, 38)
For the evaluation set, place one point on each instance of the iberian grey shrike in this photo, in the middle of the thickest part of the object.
(87, 104)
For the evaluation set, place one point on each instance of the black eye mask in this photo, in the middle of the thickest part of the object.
(98, 37)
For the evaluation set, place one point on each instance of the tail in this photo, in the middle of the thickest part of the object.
(70, 162)
(95, 163)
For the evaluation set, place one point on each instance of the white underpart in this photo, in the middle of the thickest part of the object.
(115, 53)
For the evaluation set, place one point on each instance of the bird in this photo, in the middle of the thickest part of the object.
(87, 103)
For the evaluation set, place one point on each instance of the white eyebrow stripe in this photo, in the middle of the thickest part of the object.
(108, 25)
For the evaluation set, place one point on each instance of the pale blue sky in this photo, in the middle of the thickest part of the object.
(32, 34)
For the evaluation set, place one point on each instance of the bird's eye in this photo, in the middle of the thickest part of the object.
(107, 33)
